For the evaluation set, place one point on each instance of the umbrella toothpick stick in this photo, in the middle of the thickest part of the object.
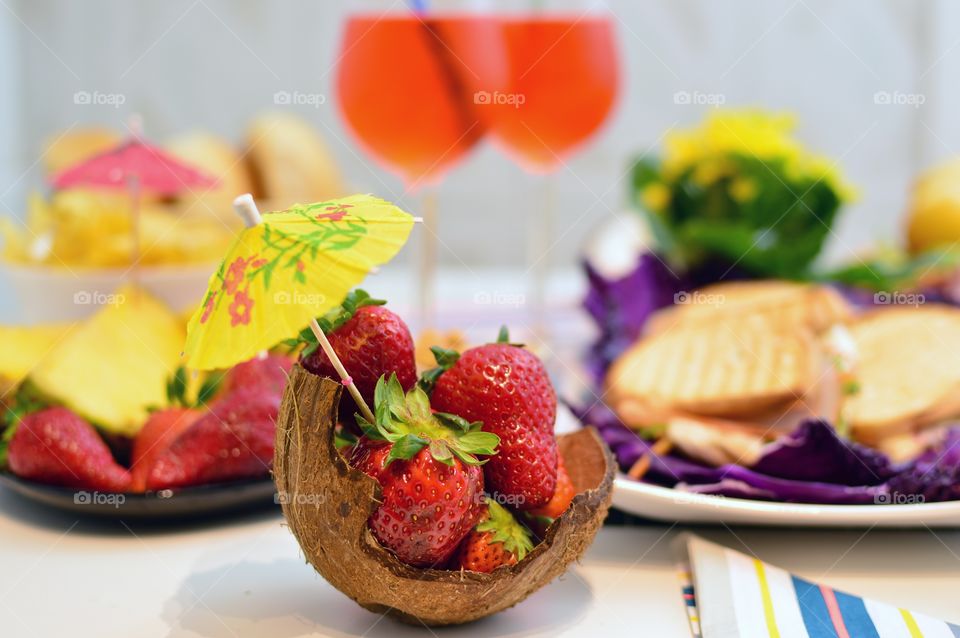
(344, 375)
(247, 209)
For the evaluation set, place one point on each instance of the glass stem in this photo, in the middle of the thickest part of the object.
(540, 247)
(427, 280)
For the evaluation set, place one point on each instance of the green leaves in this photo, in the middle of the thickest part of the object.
(26, 400)
(208, 388)
(332, 320)
(445, 359)
(893, 270)
(454, 421)
(735, 208)
(407, 422)
(406, 447)
(177, 385)
(343, 438)
(354, 300)
(504, 528)
(504, 337)
(483, 443)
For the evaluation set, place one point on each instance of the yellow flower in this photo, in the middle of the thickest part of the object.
(743, 189)
(655, 197)
(709, 170)
(705, 149)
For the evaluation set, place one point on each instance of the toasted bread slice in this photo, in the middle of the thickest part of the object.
(726, 368)
(908, 370)
(291, 162)
(716, 442)
(784, 303)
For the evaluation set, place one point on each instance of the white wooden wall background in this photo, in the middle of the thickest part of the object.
(212, 64)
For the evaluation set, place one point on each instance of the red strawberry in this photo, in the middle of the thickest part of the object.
(371, 341)
(158, 433)
(541, 518)
(234, 440)
(56, 446)
(506, 388)
(267, 374)
(498, 539)
(430, 478)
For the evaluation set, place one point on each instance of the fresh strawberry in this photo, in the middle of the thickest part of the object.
(498, 539)
(267, 374)
(541, 518)
(370, 340)
(234, 440)
(505, 387)
(58, 447)
(158, 433)
(428, 471)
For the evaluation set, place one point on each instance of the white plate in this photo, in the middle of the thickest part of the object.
(665, 504)
(674, 506)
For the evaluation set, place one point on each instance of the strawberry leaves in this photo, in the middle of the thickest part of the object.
(25, 401)
(503, 337)
(407, 422)
(445, 359)
(332, 320)
(504, 528)
(177, 385)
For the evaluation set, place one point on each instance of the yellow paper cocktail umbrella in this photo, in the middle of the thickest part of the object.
(285, 269)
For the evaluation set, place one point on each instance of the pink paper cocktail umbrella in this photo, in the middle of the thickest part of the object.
(138, 167)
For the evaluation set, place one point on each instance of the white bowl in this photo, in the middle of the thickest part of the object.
(42, 294)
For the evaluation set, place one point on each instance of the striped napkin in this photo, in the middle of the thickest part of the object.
(731, 595)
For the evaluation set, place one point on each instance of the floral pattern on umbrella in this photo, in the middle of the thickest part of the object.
(295, 265)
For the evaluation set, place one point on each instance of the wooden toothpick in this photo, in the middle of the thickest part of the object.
(246, 208)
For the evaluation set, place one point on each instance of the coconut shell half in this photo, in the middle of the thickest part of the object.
(327, 504)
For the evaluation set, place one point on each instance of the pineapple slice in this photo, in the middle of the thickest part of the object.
(114, 366)
(23, 348)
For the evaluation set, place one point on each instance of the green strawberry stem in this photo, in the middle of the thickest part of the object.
(25, 401)
(333, 320)
(338, 366)
(177, 389)
(406, 421)
(343, 439)
(446, 358)
(504, 337)
(506, 529)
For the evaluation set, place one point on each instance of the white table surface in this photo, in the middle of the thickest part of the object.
(60, 576)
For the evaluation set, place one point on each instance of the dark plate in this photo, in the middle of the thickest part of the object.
(203, 500)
